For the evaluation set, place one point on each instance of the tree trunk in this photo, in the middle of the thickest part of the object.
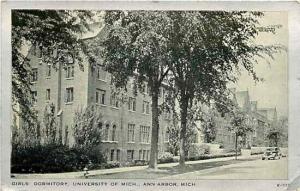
(183, 107)
(155, 131)
(236, 141)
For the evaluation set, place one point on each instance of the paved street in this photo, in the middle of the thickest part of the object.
(255, 169)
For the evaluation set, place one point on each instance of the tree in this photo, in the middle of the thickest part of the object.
(50, 125)
(208, 123)
(208, 49)
(240, 126)
(135, 47)
(274, 137)
(174, 140)
(87, 128)
(49, 31)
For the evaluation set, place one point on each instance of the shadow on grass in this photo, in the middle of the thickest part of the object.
(166, 171)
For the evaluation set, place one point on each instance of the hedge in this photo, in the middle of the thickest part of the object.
(52, 158)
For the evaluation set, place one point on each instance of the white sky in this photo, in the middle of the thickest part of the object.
(273, 91)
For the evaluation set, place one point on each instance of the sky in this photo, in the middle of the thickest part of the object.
(273, 90)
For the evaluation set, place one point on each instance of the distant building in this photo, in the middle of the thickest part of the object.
(261, 120)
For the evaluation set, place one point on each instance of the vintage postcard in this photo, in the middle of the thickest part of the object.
(150, 96)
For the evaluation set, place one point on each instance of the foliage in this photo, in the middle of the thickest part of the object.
(165, 157)
(135, 47)
(87, 127)
(211, 156)
(198, 149)
(240, 123)
(173, 139)
(50, 124)
(207, 49)
(49, 31)
(209, 124)
(47, 158)
(112, 164)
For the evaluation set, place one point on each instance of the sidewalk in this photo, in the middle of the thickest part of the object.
(70, 175)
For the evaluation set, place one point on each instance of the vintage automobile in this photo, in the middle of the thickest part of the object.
(272, 153)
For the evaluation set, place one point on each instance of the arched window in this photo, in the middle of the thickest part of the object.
(113, 133)
(106, 131)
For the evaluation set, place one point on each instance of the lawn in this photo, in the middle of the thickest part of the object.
(166, 171)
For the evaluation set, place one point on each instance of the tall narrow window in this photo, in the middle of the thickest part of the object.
(70, 71)
(34, 75)
(140, 154)
(101, 74)
(130, 134)
(118, 155)
(69, 95)
(114, 100)
(48, 71)
(106, 132)
(167, 134)
(112, 153)
(47, 94)
(40, 51)
(146, 108)
(34, 97)
(130, 154)
(132, 104)
(113, 133)
(100, 96)
(144, 134)
(144, 155)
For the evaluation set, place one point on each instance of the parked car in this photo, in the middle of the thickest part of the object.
(272, 153)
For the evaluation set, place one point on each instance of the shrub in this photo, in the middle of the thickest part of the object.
(112, 164)
(165, 157)
(198, 149)
(204, 157)
(49, 158)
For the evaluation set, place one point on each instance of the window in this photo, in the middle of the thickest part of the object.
(167, 134)
(106, 132)
(40, 51)
(144, 155)
(34, 97)
(101, 74)
(144, 134)
(132, 104)
(70, 71)
(113, 133)
(147, 155)
(145, 89)
(34, 75)
(114, 100)
(100, 126)
(146, 108)
(112, 153)
(47, 94)
(130, 134)
(118, 155)
(100, 96)
(48, 71)
(130, 154)
(69, 95)
(140, 154)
